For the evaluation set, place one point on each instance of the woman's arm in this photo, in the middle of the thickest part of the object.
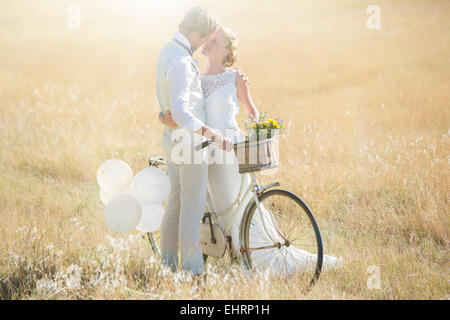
(166, 119)
(244, 96)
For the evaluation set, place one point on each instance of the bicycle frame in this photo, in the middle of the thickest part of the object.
(241, 200)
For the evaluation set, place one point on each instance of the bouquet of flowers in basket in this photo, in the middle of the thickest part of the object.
(263, 128)
(259, 150)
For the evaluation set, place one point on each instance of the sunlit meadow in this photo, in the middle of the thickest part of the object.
(367, 144)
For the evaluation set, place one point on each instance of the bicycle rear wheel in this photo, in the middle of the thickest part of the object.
(154, 238)
(284, 237)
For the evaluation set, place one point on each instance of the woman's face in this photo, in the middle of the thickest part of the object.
(214, 47)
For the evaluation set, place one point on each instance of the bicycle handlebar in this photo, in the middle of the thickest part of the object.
(206, 143)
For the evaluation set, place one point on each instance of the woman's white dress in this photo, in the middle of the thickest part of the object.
(224, 180)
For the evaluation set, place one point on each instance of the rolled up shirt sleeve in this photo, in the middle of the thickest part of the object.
(180, 77)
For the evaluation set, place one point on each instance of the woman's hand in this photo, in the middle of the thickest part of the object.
(243, 76)
(166, 119)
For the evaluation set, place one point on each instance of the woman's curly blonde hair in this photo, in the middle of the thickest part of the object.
(231, 44)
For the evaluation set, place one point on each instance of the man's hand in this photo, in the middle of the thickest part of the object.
(167, 120)
(222, 142)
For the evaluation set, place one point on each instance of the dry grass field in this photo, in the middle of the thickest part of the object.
(367, 145)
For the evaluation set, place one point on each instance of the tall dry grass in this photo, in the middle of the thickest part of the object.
(367, 146)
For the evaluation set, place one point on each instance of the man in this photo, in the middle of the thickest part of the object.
(179, 90)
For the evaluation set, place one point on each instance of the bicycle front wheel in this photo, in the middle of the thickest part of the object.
(282, 236)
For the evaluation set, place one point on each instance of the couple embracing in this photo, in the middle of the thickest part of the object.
(204, 104)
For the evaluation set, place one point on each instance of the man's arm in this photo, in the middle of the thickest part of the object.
(180, 78)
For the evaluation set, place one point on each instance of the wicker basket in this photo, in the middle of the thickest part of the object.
(257, 155)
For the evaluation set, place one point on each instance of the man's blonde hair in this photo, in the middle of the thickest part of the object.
(198, 19)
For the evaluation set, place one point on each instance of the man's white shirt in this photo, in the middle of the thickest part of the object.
(181, 72)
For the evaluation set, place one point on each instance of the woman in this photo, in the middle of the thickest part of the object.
(224, 92)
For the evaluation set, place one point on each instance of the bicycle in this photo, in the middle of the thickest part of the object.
(288, 222)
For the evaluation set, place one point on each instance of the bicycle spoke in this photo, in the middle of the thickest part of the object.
(262, 248)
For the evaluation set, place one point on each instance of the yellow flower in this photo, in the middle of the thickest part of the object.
(273, 121)
(253, 126)
(276, 126)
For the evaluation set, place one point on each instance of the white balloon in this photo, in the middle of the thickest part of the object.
(152, 215)
(151, 185)
(114, 176)
(123, 213)
(106, 197)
